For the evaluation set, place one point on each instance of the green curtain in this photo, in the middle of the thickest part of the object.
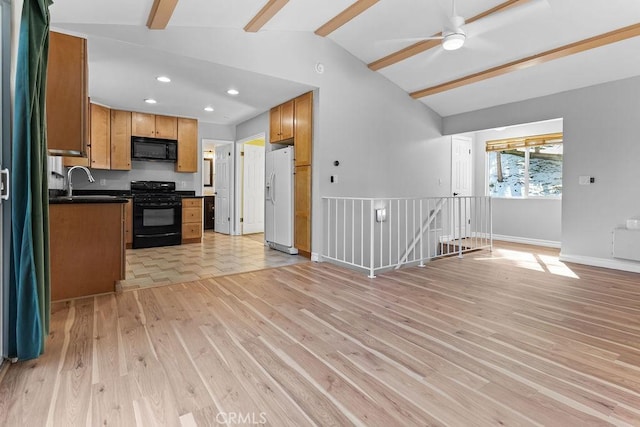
(30, 289)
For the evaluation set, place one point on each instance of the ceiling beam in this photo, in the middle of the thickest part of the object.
(530, 61)
(345, 16)
(160, 14)
(422, 46)
(266, 13)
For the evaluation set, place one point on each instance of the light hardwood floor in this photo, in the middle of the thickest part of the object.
(512, 337)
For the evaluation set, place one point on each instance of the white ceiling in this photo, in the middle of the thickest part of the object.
(122, 75)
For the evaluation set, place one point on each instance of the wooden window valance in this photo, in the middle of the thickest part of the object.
(524, 141)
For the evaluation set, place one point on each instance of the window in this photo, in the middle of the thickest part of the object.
(525, 167)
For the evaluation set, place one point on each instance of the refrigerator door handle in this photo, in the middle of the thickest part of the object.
(273, 188)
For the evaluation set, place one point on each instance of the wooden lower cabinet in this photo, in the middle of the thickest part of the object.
(302, 210)
(86, 247)
(191, 220)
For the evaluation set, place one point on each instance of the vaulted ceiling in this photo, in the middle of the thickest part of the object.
(514, 49)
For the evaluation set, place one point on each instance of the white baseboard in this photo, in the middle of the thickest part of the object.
(615, 264)
(315, 257)
(527, 241)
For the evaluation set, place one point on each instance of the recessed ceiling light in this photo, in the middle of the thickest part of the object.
(150, 101)
(208, 109)
(233, 92)
(163, 79)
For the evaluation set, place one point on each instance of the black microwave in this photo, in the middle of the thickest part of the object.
(163, 150)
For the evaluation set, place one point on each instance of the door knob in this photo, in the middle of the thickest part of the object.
(456, 194)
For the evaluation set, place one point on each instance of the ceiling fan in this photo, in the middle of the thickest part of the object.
(454, 34)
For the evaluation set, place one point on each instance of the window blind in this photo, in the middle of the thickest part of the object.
(523, 142)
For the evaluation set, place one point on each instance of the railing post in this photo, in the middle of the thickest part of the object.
(490, 224)
(459, 227)
(421, 233)
(372, 218)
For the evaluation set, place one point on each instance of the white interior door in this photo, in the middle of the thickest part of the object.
(253, 190)
(461, 183)
(223, 184)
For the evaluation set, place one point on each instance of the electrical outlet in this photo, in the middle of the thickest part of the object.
(103, 182)
(584, 180)
(184, 184)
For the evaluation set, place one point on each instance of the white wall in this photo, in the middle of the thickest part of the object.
(600, 140)
(519, 219)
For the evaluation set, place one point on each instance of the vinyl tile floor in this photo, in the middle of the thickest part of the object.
(217, 255)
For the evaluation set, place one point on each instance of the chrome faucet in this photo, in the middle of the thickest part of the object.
(69, 185)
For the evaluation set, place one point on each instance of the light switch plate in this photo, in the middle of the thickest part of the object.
(584, 180)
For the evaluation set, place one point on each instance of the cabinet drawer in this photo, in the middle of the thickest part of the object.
(191, 231)
(191, 215)
(191, 203)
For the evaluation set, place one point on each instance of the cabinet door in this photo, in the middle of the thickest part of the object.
(66, 97)
(143, 125)
(166, 127)
(302, 209)
(274, 125)
(286, 120)
(100, 137)
(187, 145)
(303, 129)
(191, 220)
(120, 140)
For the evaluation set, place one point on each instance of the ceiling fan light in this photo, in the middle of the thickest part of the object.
(453, 41)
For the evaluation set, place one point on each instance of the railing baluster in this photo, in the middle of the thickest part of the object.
(362, 232)
(372, 240)
(344, 230)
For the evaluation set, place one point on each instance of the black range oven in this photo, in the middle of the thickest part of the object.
(157, 214)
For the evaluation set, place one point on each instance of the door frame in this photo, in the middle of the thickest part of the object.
(218, 143)
(237, 204)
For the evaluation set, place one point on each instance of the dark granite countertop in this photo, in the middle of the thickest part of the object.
(92, 196)
(83, 199)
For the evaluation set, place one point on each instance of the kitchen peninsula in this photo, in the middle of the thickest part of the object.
(86, 245)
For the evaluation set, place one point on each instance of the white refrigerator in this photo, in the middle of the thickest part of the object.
(278, 226)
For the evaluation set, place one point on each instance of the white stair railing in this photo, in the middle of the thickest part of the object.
(380, 234)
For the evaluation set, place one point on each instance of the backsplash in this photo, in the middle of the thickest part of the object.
(121, 180)
(141, 171)
(56, 173)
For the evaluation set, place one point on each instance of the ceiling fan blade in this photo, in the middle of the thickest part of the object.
(505, 16)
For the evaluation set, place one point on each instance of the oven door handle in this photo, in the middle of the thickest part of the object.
(158, 205)
(157, 235)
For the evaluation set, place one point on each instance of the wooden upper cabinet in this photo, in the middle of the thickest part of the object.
(152, 126)
(100, 137)
(143, 124)
(286, 120)
(166, 127)
(187, 145)
(281, 122)
(303, 129)
(66, 97)
(120, 140)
